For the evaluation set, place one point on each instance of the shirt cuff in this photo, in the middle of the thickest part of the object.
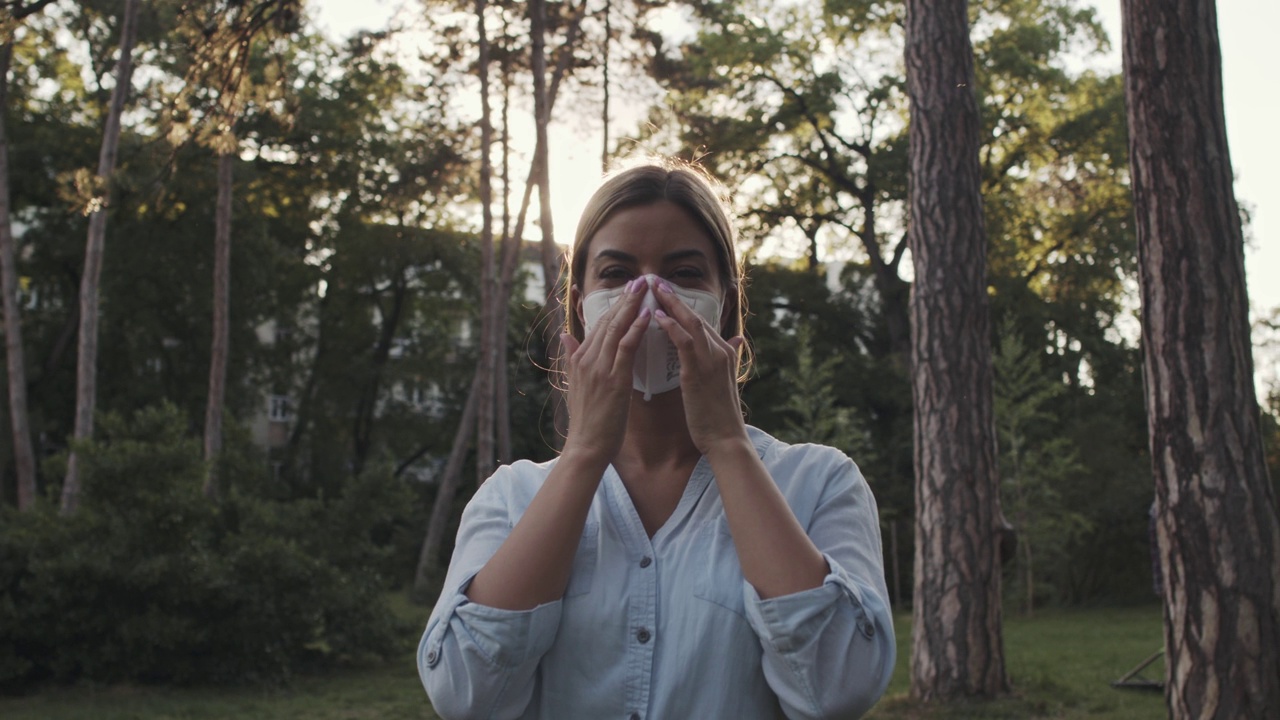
(789, 622)
(506, 638)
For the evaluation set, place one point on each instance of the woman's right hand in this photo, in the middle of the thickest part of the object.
(599, 370)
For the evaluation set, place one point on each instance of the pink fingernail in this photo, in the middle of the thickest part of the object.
(659, 313)
(636, 285)
(664, 286)
(645, 313)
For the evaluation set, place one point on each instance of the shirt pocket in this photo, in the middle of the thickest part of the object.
(584, 561)
(720, 580)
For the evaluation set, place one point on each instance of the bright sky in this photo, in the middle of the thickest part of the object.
(1250, 56)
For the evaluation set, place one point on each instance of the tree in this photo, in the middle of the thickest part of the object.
(813, 414)
(551, 254)
(15, 358)
(957, 648)
(450, 478)
(485, 405)
(1034, 461)
(87, 357)
(1216, 519)
(220, 66)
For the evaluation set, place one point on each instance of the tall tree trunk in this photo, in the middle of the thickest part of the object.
(87, 358)
(551, 254)
(485, 451)
(367, 405)
(1216, 519)
(957, 649)
(429, 556)
(23, 456)
(604, 84)
(221, 326)
(502, 399)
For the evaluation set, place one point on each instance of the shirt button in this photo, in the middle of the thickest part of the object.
(643, 635)
(432, 658)
(645, 562)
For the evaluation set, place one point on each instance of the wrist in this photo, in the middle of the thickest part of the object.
(584, 461)
(729, 447)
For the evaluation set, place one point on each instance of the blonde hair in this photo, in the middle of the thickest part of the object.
(688, 186)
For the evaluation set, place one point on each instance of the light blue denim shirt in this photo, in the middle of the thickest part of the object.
(667, 628)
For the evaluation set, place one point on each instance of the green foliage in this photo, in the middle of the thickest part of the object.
(149, 581)
(812, 414)
(1034, 463)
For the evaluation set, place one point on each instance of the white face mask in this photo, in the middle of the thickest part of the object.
(657, 367)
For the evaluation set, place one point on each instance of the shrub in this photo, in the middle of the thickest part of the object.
(148, 581)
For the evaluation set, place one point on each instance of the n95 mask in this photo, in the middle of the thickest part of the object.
(657, 367)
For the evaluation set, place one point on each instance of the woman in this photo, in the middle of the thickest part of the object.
(672, 562)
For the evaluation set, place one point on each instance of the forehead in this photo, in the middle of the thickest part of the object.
(657, 228)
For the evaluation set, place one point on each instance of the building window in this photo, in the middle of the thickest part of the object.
(279, 408)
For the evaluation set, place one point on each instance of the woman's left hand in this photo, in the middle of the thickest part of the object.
(708, 372)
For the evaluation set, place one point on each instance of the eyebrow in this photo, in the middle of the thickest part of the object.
(669, 257)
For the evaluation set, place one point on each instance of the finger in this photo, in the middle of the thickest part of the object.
(622, 316)
(677, 309)
(629, 344)
(680, 337)
(600, 329)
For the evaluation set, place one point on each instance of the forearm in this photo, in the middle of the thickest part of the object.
(776, 555)
(532, 566)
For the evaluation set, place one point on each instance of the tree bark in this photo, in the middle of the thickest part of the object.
(957, 649)
(367, 406)
(551, 254)
(23, 455)
(485, 450)
(1217, 527)
(501, 394)
(429, 556)
(604, 85)
(221, 326)
(87, 359)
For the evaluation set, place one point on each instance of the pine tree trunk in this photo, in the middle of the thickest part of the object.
(957, 650)
(221, 326)
(429, 555)
(551, 254)
(502, 398)
(604, 84)
(23, 455)
(87, 357)
(485, 421)
(1216, 520)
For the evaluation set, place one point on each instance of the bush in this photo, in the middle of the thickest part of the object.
(149, 581)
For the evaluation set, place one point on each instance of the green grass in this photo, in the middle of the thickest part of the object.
(1061, 664)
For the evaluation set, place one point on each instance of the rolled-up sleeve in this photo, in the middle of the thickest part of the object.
(829, 652)
(477, 661)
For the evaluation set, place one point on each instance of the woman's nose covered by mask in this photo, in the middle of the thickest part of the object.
(657, 367)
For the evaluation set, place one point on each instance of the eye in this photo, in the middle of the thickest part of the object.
(687, 273)
(613, 272)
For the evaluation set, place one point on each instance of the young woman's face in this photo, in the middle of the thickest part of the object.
(661, 238)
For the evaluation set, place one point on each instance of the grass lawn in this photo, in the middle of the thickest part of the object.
(1061, 664)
